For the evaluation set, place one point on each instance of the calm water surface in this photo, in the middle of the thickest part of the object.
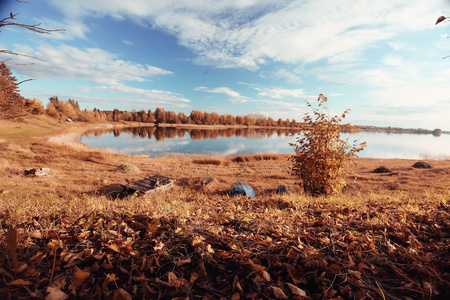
(228, 142)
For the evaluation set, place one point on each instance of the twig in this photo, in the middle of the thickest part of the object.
(19, 54)
(381, 290)
(332, 283)
(24, 81)
(54, 264)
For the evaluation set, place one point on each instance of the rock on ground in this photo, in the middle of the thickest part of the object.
(127, 168)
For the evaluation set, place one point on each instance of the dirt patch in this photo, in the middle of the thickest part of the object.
(127, 168)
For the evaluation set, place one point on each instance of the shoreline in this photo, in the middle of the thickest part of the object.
(71, 136)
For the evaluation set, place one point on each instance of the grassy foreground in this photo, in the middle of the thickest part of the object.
(386, 236)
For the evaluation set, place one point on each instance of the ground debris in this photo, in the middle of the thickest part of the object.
(127, 168)
(37, 171)
(332, 252)
(382, 169)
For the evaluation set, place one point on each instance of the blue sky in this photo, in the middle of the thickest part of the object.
(382, 59)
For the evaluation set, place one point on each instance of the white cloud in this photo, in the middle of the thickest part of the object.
(348, 57)
(407, 88)
(336, 74)
(105, 71)
(159, 96)
(279, 93)
(392, 60)
(221, 90)
(247, 34)
(129, 43)
(288, 77)
(91, 64)
(410, 95)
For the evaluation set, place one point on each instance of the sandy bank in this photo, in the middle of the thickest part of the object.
(72, 136)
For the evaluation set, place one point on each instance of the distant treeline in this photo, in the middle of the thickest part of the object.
(62, 110)
(15, 106)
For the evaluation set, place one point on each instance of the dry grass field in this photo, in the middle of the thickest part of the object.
(73, 234)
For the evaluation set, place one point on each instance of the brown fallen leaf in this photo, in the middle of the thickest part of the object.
(172, 277)
(126, 250)
(175, 281)
(296, 290)
(278, 293)
(38, 256)
(36, 234)
(21, 266)
(58, 283)
(355, 274)
(19, 282)
(92, 217)
(183, 261)
(193, 278)
(236, 296)
(334, 268)
(266, 275)
(209, 248)
(440, 19)
(114, 247)
(55, 294)
(78, 277)
(109, 278)
(158, 246)
(258, 268)
(121, 294)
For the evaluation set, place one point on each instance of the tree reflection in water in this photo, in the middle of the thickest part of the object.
(162, 133)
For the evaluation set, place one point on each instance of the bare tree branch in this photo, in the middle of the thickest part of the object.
(34, 28)
(18, 54)
(24, 81)
(10, 21)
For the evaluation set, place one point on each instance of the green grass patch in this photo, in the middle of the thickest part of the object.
(31, 126)
(19, 133)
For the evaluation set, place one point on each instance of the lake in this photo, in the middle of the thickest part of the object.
(239, 141)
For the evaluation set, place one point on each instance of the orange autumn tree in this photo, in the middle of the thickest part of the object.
(321, 154)
(11, 103)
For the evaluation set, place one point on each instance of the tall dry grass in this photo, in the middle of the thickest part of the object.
(217, 161)
(258, 157)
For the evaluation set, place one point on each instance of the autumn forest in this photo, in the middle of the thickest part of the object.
(14, 106)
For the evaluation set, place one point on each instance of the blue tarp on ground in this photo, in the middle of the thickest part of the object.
(240, 188)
